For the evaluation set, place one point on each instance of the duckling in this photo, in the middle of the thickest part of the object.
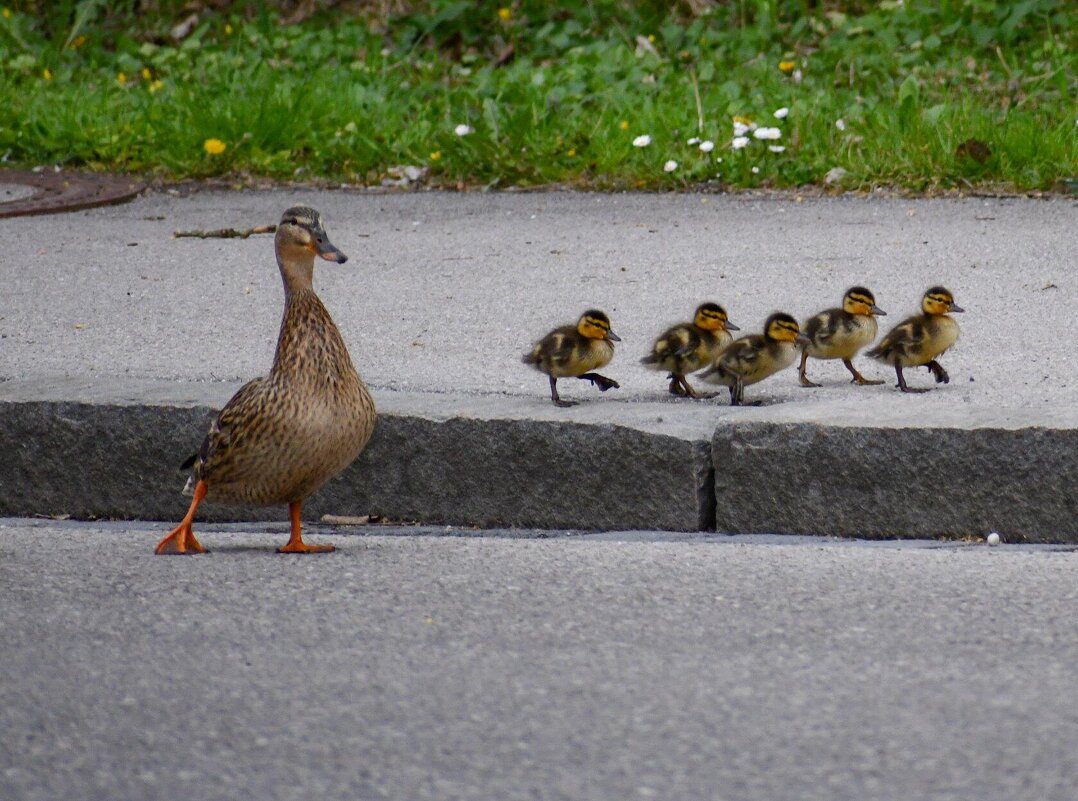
(574, 351)
(284, 435)
(841, 333)
(755, 357)
(920, 339)
(687, 347)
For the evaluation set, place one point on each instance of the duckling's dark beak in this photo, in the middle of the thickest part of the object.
(326, 249)
(731, 327)
(802, 340)
(878, 310)
(956, 308)
(612, 336)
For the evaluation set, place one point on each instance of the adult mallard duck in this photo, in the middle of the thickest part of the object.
(687, 347)
(284, 435)
(841, 333)
(753, 358)
(574, 351)
(917, 341)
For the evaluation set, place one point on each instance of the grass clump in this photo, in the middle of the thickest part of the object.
(531, 93)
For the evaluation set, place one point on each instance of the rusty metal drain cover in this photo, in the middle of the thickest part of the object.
(54, 192)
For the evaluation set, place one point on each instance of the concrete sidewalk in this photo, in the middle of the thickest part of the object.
(118, 341)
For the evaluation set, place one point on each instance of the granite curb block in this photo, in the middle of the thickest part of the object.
(119, 459)
(897, 481)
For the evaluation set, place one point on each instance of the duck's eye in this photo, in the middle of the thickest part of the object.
(294, 221)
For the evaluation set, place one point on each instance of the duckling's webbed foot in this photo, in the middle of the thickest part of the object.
(859, 379)
(938, 372)
(675, 386)
(600, 381)
(557, 401)
(902, 383)
(801, 374)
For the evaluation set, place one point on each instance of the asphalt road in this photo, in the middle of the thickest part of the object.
(612, 666)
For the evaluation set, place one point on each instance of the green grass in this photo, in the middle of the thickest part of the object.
(347, 97)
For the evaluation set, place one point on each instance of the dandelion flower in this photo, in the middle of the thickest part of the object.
(571, 152)
(694, 141)
(504, 14)
(215, 147)
(437, 154)
(739, 142)
(463, 130)
(46, 74)
(776, 148)
(767, 133)
(642, 141)
(155, 86)
(797, 76)
(146, 74)
(840, 124)
(121, 78)
(228, 29)
(787, 66)
(624, 125)
(670, 166)
(707, 146)
(7, 13)
(782, 113)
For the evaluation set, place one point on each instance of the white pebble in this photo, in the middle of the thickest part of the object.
(993, 538)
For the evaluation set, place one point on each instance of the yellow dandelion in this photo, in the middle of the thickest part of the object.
(46, 74)
(155, 86)
(146, 74)
(215, 147)
(787, 66)
(504, 14)
(121, 78)
(437, 154)
(7, 13)
(79, 41)
(624, 125)
(228, 29)
(651, 38)
(572, 152)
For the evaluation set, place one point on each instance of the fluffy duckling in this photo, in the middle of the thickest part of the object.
(574, 351)
(687, 347)
(920, 339)
(755, 357)
(841, 333)
(284, 435)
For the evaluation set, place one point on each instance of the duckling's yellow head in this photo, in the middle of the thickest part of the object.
(939, 300)
(859, 300)
(782, 327)
(712, 317)
(594, 324)
(301, 232)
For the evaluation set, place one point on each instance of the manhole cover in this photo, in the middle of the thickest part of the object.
(54, 192)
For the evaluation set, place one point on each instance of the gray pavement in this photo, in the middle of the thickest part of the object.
(626, 665)
(109, 325)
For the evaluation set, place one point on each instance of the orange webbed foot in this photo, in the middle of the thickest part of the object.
(302, 547)
(181, 541)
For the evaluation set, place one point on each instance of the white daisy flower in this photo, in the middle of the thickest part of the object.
(767, 133)
(642, 141)
(840, 124)
(707, 146)
(797, 76)
(755, 170)
(463, 130)
(776, 148)
(694, 141)
(782, 113)
(670, 166)
(740, 128)
(739, 142)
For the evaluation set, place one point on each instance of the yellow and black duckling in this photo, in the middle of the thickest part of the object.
(841, 333)
(574, 351)
(283, 436)
(753, 358)
(687, 347)
(919, 340)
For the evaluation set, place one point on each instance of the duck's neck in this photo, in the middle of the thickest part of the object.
(309, 343)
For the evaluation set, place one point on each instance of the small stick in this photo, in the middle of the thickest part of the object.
(227, 233)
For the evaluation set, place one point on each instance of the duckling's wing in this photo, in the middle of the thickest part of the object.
(901, 340)
(823, 327)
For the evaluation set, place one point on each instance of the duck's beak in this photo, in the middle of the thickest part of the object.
(731, 327)
(877, 310)
(612, 336)
(956, 308)
(802, 340)
(326, 249)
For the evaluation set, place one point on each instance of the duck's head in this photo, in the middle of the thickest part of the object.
(594, 324)
(712, 317)
(301, 237)
(859, 300)
(782, 327)
(938, 300)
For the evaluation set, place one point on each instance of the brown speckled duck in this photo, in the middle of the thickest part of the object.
(283, 436)
(917, 341)
(687, 347)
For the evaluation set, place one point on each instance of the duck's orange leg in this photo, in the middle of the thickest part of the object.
(181, 540)
(295, 542)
